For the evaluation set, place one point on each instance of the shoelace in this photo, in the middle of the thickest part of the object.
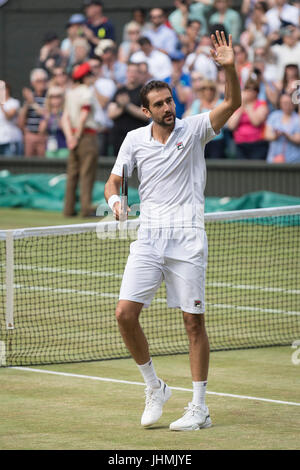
(151, 396)
(191, 409)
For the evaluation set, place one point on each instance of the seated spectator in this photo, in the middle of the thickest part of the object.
(112, 68)
(179, 17)
(50, 126)
(98, 26)
(206, 100)
(180, 84)
(248, 124)
(104, 90)
(264, 55)
(199, 10)
(197, 92)
(281, 12)
(291, 79)
(230, 18)
(50, 54)
(144, 73)
(161, 36)
(159, 64)
(74, 30)
(257, 30)
(242, 64)
(125, 108)
(288, 52)
(139, 16)
(60, 78)
(268, 90)
(131, 45)
(190, 39)
(32, 112)
(201, 60)
(283, 133)
(11, 138)
(81, 51)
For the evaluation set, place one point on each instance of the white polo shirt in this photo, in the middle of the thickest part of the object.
(172, 176)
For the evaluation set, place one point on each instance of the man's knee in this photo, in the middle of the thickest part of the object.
(127, 312)
(194, 324)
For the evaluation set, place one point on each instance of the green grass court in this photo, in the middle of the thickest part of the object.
(48, 411)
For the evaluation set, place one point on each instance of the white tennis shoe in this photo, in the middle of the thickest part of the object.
(155, 400)
(194, 418)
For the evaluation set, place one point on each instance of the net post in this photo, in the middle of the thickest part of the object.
(9, 280)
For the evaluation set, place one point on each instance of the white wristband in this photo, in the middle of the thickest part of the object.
(112, 200)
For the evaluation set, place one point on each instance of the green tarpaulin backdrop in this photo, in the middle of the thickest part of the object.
(46, 192)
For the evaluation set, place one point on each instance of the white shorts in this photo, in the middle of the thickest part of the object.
(179, 257)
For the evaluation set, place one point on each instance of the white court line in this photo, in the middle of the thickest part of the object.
(105, 379)
(83, 272)
(243, 308)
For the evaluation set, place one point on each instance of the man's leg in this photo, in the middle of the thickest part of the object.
(157, 392)
(198, 345)
(127, 314)
(197, 415)
(72, 180)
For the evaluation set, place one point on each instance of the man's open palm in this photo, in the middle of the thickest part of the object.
(222, 53)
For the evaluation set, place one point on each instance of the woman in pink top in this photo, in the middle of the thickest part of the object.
(248, 124)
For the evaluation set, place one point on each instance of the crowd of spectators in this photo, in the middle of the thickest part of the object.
(174, 47)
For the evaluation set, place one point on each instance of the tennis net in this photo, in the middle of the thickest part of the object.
(59, 287)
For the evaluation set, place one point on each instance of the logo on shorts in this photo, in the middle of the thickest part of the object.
(198, 303)
(179, 145)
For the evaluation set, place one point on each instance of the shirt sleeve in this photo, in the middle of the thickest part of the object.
(86, 99)
(200, 125)
(125, 157)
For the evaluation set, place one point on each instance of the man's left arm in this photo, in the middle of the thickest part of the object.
(224, 56)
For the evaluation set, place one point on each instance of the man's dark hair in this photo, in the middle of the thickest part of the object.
(150, 86)
(144, 40)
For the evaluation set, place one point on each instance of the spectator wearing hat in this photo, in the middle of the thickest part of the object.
(161, 36)
(74, 30)
(159, 64)
(80, 129)
(125, 108)
(180, 84)
(98, 26)
(32, 112)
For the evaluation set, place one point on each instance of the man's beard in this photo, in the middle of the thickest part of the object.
(162, 122)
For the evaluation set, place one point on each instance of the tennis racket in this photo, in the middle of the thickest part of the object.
(124, 195)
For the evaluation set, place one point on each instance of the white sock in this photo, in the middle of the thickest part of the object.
(199, 390)
(148, 372)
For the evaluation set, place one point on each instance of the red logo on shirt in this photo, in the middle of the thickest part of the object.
(180, 145)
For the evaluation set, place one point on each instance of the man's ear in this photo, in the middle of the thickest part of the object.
(146, 112)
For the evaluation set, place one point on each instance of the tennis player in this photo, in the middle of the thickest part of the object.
(171, 244)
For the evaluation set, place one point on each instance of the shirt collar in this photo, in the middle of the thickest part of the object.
(178, 126)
